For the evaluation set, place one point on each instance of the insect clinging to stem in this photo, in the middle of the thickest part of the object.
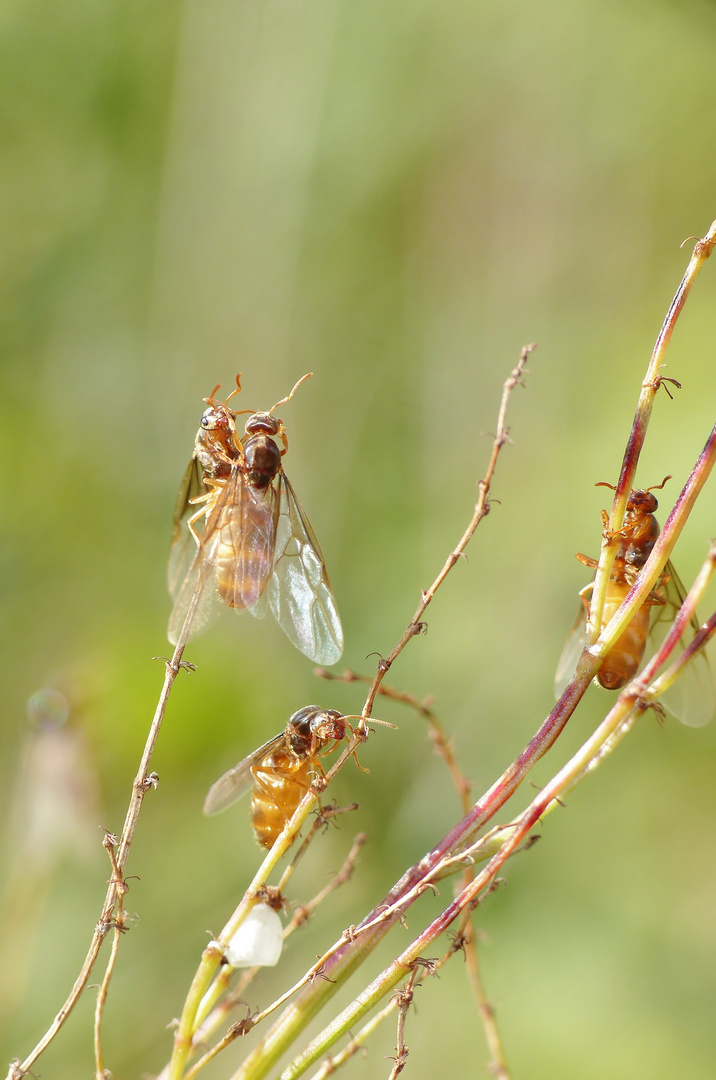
(281, 771)
(256, 547)
(692, 698)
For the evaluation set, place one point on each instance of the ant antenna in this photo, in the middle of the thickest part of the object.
(212, 396)
(369, 720)
(289, 396)
(236, 391)
(658, 487)
(654, 487)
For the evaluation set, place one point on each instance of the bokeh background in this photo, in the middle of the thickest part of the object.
(396, 195)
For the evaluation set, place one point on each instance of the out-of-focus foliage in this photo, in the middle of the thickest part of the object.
(395, 194)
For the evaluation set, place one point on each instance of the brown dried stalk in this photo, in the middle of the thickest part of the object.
(109, 919)
(482, 509)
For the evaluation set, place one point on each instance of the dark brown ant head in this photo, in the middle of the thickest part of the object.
(641, 501)
(299, 729)
(263, 423)
(311, 728)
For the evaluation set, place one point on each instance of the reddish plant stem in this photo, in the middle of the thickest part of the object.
(652, 381)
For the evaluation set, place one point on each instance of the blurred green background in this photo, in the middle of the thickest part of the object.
(396, 195)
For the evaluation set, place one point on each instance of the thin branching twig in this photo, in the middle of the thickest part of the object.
(482, 509)
(143, 781)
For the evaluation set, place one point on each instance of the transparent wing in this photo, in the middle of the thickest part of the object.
(299, 591)
(183, 546)
(237, 781)
(573, 648)
(199, 587)
(252, 536)
(692, 698)
(199, 583)
(234, 559)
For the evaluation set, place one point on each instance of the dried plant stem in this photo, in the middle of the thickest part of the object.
(652, 381)
(326, 814)
(100, 1072)
(482, 508)
(440, 740)
(498, 1064)
(404, 999)
(468, 934)
(143, 781)
(304, 911)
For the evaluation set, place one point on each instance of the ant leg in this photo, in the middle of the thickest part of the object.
(281, 433)
(192, 519)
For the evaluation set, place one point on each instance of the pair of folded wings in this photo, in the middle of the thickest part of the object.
(275, 558)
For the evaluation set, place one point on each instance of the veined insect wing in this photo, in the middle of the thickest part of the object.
(573, 648)
(199, 585)
(183, 547)
(299, 591)
(236, 781)
(207, 604)
(243, 550)
(692, 698)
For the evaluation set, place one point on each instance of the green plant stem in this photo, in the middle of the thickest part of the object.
(649, 575)
(652, 381)
(210, 1020)
(213, 954)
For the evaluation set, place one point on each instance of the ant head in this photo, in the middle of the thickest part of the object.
(643, 501)
(640, 498)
